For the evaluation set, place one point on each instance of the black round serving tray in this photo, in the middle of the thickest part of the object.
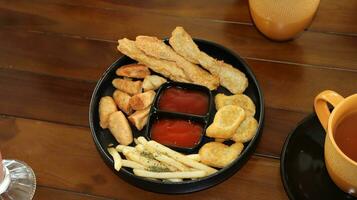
(102, 137)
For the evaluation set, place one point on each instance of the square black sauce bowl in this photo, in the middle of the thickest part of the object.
(164, 118)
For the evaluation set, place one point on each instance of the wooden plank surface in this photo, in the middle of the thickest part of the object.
(65, 20)
(56, 194)
(52, 53)
(344, 20)
(69, 151)
(54, 96)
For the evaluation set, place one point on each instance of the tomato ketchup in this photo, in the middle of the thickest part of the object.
(181, 100)
(176, 132)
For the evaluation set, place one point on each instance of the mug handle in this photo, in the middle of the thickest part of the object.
(321, 108)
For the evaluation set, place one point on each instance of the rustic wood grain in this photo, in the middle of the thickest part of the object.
(65, 20)
(69, 151)
(344, 20)
(56, 194)
(45, 97)
(46, 54)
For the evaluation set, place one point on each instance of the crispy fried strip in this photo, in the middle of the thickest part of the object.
(140, 148)
(195, 157)
(146, 162)
(132, 164)
(158, 49)
(116, 158)
(120, 148)
(166, 68)
(179, 157)
(231, 78)
(169, 175)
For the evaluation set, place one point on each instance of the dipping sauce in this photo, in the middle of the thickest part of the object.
(176, 132)
(181, 100)
(346, 135)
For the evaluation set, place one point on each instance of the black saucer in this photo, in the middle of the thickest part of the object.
(302, 166)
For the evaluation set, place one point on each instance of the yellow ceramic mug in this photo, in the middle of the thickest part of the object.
(342, 169)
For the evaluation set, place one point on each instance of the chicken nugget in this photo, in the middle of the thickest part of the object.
(216, 154)
(122, 101)
(239, 100)
(106, 107)
(226, 122)
(133, 71)
(120, 128)
(246, 131)
(127, 86)
(142, 100)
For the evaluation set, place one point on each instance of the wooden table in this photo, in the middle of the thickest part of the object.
(52, 52)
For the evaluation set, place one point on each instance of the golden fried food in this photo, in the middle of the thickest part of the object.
(153, 82)
(180, 157)
(139, 118)
(158, 49)
(122, 101)
(231, 78)
(246, 131)
(168, 69)
(133, 71)
(116, 157)
(216, 154)
(226, 121)
(119, 127)
(239, 100)
(106, 107)
(170, 175)
(142, 100)
(127, 86)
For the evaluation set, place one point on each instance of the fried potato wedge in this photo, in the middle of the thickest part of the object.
(122, 101)
(127, 86)
(246, 130)
(154, 47)
(139, 118)
(106, 108)
(239, 100)
(153, 82)
(142, 100)
(225, 122)
(168, 69)
(219, 155)
(133, 71)
(119, 127)
(231, 78)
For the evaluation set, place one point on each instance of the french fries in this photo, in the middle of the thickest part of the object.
(116, 157)
(169, 175)
(152, 160)
(179, 157)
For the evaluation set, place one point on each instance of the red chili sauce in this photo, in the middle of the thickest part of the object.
(184, 101)
(176, 132)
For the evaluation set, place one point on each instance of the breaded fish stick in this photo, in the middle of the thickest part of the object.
(158, 49)
(168, 69)
(231, 78)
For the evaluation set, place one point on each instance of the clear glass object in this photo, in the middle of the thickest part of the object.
(19, 181)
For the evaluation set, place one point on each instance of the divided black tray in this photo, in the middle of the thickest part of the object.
(102, 138)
